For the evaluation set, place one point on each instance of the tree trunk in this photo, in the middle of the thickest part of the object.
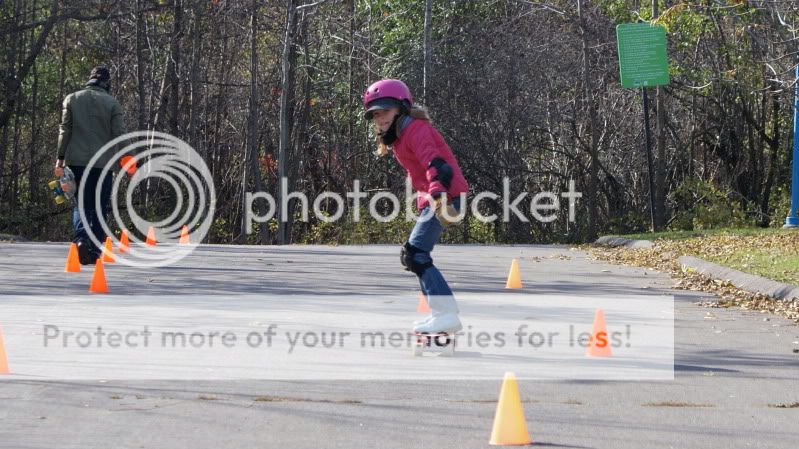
(34, 186)
(286, 116)
(174, 68)
(9, 90)
(194, 87)
(428, 25)
(252, 129)
(591, 194)
(140, 83)
(351, 98)
(660, 143)
(774, 153)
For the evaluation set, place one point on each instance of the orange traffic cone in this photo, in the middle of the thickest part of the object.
(108, 251)
(128, 164)
(98, 284)
(599, 345)
(423, 307)
(510, 427)
(3, 358)
(514, 277)
(124, 242)
(184, 235)
(150, 237)
(73, 262)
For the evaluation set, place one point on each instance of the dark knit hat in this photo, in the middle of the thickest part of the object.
(100, 74)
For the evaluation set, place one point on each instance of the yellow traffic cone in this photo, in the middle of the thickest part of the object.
(510, 427)
(3, 357)
(514, 277)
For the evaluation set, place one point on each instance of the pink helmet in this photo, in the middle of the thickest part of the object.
(393, 92)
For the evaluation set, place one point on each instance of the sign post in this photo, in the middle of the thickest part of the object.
(792, 221)
(643, 62)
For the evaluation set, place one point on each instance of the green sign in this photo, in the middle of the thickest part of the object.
(642, 55)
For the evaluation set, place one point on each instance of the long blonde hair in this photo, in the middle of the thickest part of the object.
(416, 112)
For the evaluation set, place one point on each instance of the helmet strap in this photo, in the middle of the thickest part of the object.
(389, 136)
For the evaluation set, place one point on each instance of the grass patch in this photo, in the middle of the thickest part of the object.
(769, 252)
(769, 264)
(682, 235)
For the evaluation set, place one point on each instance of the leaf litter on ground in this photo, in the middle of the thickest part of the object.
(664, 254)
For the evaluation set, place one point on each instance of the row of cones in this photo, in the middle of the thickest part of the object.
(510, 426)
(598, 346)
(98, 283)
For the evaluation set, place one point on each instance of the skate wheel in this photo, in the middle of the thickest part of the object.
(418, 350)
(442, 341)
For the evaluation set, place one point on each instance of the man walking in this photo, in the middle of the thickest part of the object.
(90, 118)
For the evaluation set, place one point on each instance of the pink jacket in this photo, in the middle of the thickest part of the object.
(417, 145)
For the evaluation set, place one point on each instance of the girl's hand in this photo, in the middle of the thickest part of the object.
(446, 214)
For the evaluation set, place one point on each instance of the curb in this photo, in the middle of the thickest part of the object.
(616, 242)
(744, 281)
(8, 238)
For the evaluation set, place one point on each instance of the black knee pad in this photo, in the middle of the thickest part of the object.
(406, 258)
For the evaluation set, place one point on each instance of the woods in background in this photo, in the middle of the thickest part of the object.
(526, 90)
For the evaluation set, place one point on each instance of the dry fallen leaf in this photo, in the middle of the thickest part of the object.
(664, 254)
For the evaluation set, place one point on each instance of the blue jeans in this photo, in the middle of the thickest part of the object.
(94, 212)
(424, 236)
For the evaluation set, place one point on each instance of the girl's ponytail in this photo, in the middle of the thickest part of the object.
(420, 113)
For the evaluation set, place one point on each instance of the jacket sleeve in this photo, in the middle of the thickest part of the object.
(65, 128)
(424, 147)
(118, 124)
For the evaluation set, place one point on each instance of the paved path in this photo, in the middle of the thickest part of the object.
(729, 365)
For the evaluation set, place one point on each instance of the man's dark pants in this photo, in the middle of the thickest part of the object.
(95, 212)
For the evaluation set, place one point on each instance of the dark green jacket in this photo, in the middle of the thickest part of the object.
(90, 119)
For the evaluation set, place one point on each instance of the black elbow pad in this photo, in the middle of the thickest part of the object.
(444, 172)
